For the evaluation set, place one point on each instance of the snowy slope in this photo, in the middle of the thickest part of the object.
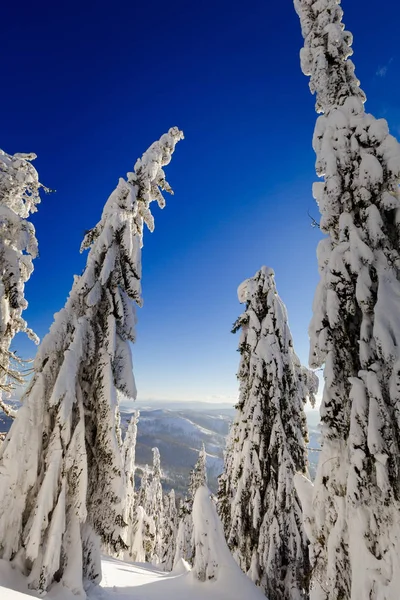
(125, 581)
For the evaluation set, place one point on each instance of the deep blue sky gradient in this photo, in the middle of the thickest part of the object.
(88, 86)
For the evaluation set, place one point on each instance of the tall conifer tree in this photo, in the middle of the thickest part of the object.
(129, 458)
(185, 542)
(19, 197)
(258, 504)
(169, 531)
(61, 473)
(155, 508)
(355, 330)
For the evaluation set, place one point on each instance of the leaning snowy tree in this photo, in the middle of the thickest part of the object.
(129, 460)
(355, 330)
(184, 541)
(143, 492)
(213, 560)
(154, 506)
(258, 504)
(61, 473)
(211, 551)
(142, 541)
(19, 197)
(198, 476)
(169, 531)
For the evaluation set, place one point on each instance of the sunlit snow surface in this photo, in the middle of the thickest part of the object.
(127, 581)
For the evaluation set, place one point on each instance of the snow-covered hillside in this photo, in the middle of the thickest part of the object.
(179, 435)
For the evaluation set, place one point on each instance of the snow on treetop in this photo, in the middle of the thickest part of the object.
(149, 175)
(326, 52)
(19, 183)
(131, 199)
(248, 287)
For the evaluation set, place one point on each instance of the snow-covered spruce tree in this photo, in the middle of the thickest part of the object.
(184, 540)
(211, 550)
(19, 197)
(198, 476)
(143, 542)
(355, 330)
(143, 537)
(143, 492)
(61, 470)
(213, 560)
(169, 531)
(142, 548)
(149, 538)
(155, 508)
(128, 457)
(258, 504)
(183, 544)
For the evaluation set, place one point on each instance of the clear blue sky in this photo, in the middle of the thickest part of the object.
(88, 86)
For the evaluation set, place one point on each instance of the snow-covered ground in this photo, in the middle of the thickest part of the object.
(127, 581)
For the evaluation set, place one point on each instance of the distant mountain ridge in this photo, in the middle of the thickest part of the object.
(179, 435)
(178, 429)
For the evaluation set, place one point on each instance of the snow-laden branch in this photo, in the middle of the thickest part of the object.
(325, 56)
